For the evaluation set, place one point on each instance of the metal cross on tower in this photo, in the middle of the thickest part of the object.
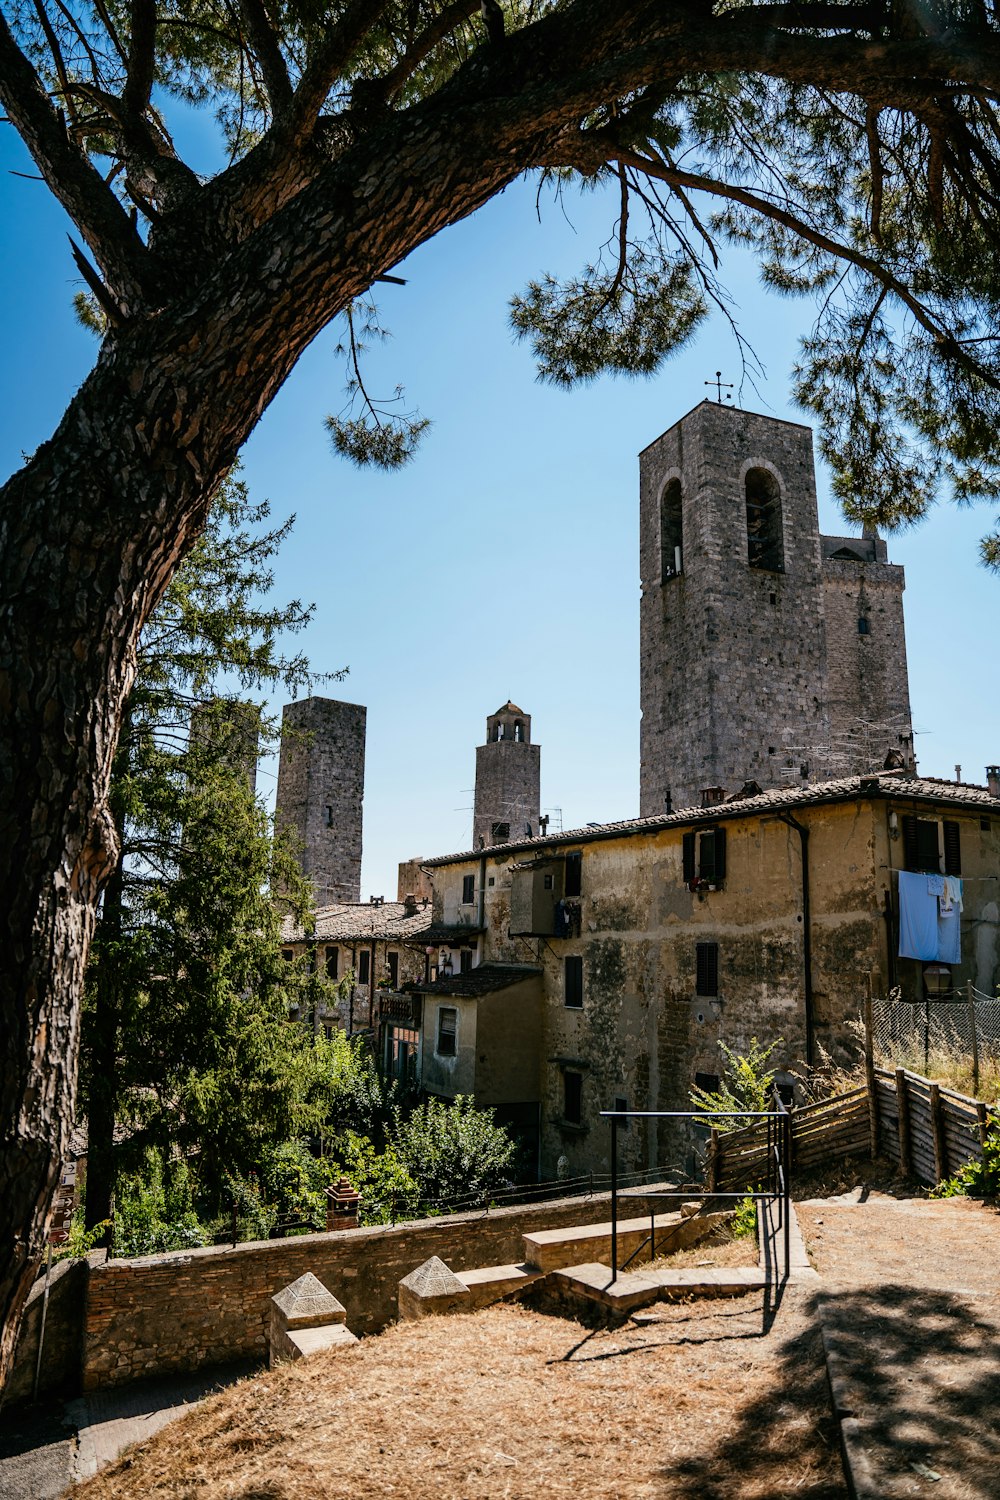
(720, 386)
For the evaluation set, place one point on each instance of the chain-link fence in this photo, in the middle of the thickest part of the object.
(965, 1024)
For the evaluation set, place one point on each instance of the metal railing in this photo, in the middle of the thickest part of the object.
(772, 1194)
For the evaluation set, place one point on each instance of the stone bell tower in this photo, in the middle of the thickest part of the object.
(733, 646)
(508, 779)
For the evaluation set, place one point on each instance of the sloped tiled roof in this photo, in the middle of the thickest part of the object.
(349, 922)
(846, 788)
(483, 980)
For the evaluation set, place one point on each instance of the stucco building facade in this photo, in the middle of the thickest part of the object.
(656, 939)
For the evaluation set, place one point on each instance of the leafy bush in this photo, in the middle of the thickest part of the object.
(977, 1179)
(154, 1212)
(747, 1084)
(744, 1221)
(387, 1191)
(453, 1151)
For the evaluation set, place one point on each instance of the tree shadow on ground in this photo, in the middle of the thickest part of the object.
(922, 1377)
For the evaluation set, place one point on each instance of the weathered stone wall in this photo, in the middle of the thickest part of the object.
(732, 658)
(61, 1349)
(321, 787)
(172, 1313)
(867, 675)
(643, 1032)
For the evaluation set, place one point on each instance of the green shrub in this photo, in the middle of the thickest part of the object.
(977, 1179)
(744, 1221)
(453, 1151)
(747, 1084)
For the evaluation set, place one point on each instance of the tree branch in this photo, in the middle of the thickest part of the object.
(92, 206)
(323, 70)
(264, 42)
(141, 59)
(698, 183)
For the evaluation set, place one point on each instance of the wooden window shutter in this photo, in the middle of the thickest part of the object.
(720, 855)
(910, 855)
(689, 870)
(952, 849)
(707, 969)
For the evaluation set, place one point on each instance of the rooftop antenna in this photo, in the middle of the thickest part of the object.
(720, 386)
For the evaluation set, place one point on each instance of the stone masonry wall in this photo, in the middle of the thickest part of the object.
(732, 658)
(60, 1369)
(867, 673)
(180, 1312)
(321, 788)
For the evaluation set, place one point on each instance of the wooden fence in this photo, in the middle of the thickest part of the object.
(929, 1131)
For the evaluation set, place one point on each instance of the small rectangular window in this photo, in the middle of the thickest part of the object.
(468, 890)
(392, 964)
(573, 1098)
(465, 961)
(573, 982)
(922, 844)
(574, 875)
(499, 833)
(984, 825)
(547, 882)
(491, 880)
(707, 969)
(288, 955)
(364, 966)
(332, 962)
(447, 1032)
(864, 628)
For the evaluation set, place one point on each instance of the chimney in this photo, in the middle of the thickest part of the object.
(993, 780)
(410, 904)
(711, 796)
(543, 824)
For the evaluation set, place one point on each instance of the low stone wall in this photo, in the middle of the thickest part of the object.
(171, 1313)
(62, 1343)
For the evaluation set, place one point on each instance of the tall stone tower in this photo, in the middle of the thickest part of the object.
(868, 693)
(732, 639)
(508, 779)
(769, 653)
(321, 787)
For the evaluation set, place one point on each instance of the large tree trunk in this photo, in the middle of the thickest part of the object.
(90, 532)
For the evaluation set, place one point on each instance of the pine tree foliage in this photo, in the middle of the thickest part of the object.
(186, 1046)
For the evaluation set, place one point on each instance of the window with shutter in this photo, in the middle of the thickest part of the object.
(922, 845)
(689, 870)
(447, 1032)
(332, 962)
(707, 969)
(573, 982)
(952, 849)
(468, 889)
(364, 966)
(573, 880)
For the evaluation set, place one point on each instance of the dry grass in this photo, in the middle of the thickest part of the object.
(512, 1403)
(720, 1249)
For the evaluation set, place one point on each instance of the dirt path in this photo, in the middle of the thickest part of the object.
(910, 1291)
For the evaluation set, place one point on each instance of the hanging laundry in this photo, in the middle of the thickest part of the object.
(951, 896)
(935, 885)
(918, 918)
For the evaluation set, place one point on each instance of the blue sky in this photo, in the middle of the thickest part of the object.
(503, 562)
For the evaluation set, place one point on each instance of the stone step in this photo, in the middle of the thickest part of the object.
(554, 1249)
(636, 1289)
(302, 1342)
(490, 1284)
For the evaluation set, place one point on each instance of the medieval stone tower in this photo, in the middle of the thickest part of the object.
(508, 779)
(321, 787)
(755, 663)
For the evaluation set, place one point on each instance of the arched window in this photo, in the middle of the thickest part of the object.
(764, 540)
(518, 731)
(671, 531)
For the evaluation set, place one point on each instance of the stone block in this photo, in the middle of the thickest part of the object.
(432, 1288)
(299, 1314)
